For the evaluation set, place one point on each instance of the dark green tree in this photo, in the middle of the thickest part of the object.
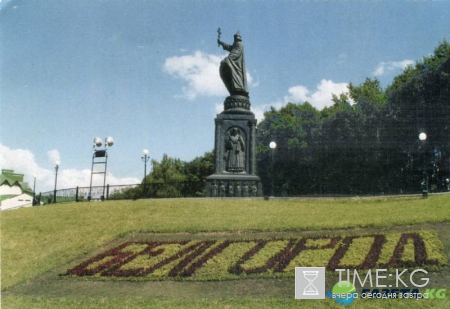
(200, 168)
(166, 178)
(419, 102)
(295, 129)
(196, 172)
(367, 141)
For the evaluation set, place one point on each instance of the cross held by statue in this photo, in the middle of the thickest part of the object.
(218, 35)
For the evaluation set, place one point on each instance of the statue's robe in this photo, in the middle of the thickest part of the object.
(232, 69)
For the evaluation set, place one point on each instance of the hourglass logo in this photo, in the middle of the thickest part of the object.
(310, 282)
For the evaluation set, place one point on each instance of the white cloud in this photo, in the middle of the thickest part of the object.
(22, 161)
(390, 66)
(4, 3)
(219, 108)
(320, 98)
(54, 156)
(298, 94)
(200, 71)
(259, 110)
(71, 178)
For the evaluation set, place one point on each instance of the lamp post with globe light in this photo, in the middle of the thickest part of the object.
(145, 159)
(272, 146)
(100, 157)
(57, 163)
(423, 138)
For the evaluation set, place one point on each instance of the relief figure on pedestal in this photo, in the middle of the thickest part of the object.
(214, 189)
(235, 151)
(238, 190)
(222, 189)
(245, 190)
(254, 190)
(230, 190)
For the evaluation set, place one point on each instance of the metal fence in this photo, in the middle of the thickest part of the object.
(117, 192)
(154, 190)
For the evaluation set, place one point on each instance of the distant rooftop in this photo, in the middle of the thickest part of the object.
(11, 179)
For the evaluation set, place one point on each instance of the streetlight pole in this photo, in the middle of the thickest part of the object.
(145, 159)
(423, 138)
(34, 191)
(56, 179)
(272, 146)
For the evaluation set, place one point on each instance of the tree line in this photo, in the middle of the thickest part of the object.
(367, 142)
(173, 178)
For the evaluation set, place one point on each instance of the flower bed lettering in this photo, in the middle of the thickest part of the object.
(238, 258)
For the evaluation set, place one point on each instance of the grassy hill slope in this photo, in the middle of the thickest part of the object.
(39, 239)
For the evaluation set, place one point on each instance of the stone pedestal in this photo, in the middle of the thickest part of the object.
(235, 152)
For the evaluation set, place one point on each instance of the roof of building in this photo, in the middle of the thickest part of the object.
(11, 179)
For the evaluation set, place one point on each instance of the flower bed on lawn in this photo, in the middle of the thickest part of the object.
(273, 257)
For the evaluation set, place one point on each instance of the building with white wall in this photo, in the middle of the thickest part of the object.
(14, 192)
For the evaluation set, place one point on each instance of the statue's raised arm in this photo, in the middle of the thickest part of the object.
(232, 68)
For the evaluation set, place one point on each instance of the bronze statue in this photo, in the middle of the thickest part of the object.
(235, 171)
(232, 68)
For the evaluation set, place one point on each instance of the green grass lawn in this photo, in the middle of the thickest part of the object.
(38, 243)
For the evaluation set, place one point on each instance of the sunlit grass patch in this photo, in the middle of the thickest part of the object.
(41, 243)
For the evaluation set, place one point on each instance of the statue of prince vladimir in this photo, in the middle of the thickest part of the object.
(232, 68)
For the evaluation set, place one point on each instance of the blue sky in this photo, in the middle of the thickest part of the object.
(146, 72)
